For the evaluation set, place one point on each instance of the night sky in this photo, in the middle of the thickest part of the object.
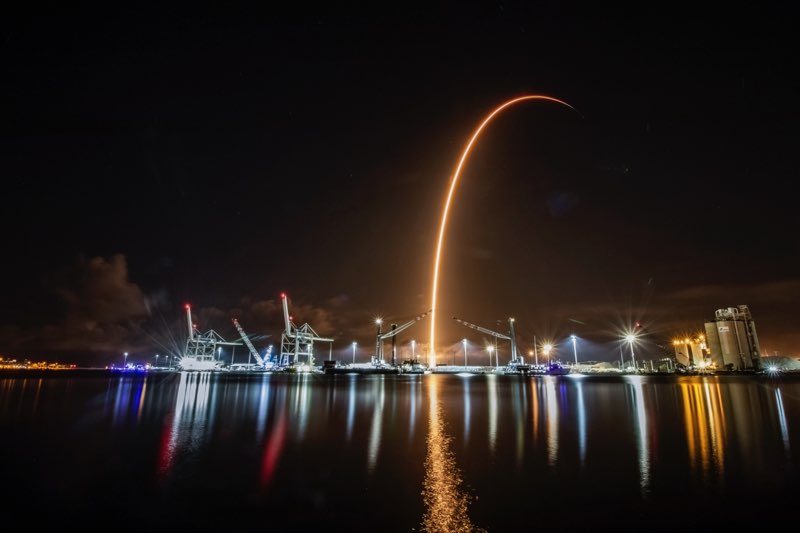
(157, 157)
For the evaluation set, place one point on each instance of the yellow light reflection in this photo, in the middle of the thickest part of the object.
(141, 402)
(451, 190)
(551, 408)
(491, 390)
(446, 504)
(704, 419)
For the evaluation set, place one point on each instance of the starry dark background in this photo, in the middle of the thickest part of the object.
(153, 157)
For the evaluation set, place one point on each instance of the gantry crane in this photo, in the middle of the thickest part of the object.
(249, 345)
(201, 347)
(515, 359)
(380, 337)
(297, 341)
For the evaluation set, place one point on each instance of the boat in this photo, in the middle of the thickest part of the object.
(200, 364)
(335, 367)
(414, 366)
(551, 369)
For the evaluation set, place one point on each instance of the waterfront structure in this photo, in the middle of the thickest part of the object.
(297, 343)
(201, 347)
(731, 338)
(691, 351)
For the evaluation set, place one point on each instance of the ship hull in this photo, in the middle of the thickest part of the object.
(194, 365)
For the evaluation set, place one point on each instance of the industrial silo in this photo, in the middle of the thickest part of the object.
(732, 339)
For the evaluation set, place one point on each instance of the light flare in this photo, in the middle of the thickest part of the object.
(451, 190)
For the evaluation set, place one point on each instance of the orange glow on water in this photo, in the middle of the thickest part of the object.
(453, 182)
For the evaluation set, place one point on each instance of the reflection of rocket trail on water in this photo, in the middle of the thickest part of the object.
(453, 181)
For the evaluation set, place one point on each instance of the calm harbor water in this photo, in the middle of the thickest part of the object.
(398, 453)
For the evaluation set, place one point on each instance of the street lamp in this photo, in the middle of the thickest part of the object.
(378, 341)
(126, 360)
(547, 348)
(156, 360)
(490, 349)
(414, 350)
(219, 352)
(354, 353)
(630, 338)
(575, 348)
(465, 351)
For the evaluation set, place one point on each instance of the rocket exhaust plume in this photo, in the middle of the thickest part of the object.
(453, 181)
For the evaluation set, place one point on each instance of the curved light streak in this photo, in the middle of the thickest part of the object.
(453, 182)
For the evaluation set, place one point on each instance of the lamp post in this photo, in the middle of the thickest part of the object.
(378, 341)
(465, 351)
(414, 350)
(219, 353)
(575, 348)
(125, 364)
(156, 360)
(490, 349)
(630, 338)
(546, 348)
(354, 353)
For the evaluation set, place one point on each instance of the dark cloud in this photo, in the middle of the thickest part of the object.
(102, 311)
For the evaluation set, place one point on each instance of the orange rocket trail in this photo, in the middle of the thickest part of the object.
(453, 182)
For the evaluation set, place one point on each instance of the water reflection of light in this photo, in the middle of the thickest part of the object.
(551, 405)
(414, 399)
(467, 411)
(716, 423)
(351, 407)
(517, 391)
(121, 400)
(301, 404)
(374, 445)
(263, 407)
(581, 423)
(189, 422)
(36, 398)
(641, 431)
(446, 505)
(140, 399)
(535, 409)
(491, 389)
(782, 420)
(704, 419)
(274, 445)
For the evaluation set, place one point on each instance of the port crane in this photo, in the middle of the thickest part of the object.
(380, 337)
(515, 359)
(259, 361)
(297, 341)
(201, 347)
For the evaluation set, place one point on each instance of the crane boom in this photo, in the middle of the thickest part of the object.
(400, 328)
(249, 344)
(189, 320)
(482, 330)
(286, 318)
